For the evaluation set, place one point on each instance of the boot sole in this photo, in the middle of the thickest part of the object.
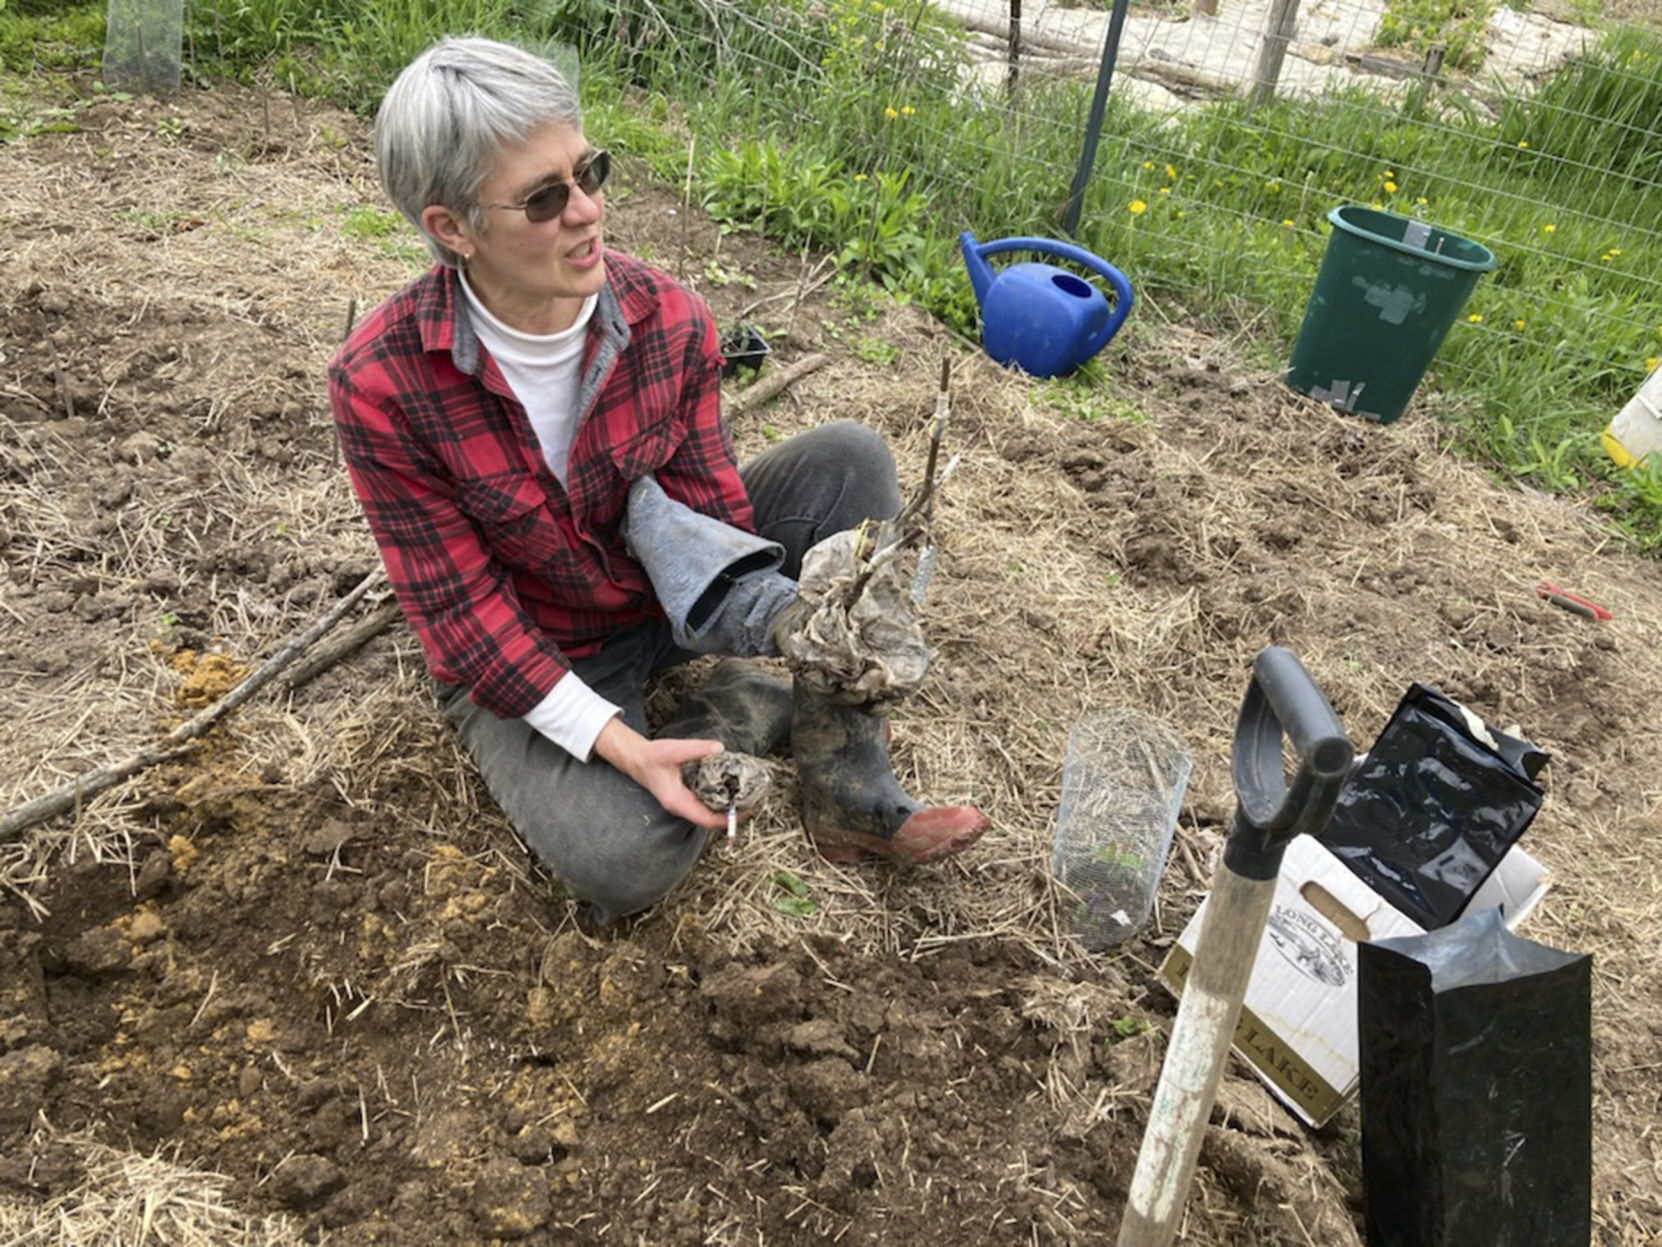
(928, 836)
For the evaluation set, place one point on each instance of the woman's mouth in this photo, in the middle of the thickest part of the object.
(586, 254)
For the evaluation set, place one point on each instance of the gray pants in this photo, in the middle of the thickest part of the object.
(605, 836)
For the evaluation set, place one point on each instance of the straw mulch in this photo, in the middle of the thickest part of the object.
(311, 956)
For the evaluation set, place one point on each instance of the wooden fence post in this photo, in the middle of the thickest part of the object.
(1278, 33)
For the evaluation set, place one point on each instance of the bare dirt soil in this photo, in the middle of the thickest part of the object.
(300, 983)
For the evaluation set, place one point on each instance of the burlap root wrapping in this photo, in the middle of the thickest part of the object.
(728, 778)
(872, 653)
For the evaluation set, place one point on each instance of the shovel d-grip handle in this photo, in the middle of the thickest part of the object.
(1282, 704)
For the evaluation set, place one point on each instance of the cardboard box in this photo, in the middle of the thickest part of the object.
(1298, 1021)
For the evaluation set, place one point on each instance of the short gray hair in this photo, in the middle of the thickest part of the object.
(450, 113)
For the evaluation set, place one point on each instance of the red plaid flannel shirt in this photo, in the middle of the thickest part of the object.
(503, 574)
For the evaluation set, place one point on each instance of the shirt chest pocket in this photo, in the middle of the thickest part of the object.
(512, 514)
(648, 449)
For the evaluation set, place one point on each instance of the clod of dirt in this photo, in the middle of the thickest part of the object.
(304, 1182)
(25, 1076)
(512, 1199)
(98, 953)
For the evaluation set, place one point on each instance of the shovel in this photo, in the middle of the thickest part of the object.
(1282, 702)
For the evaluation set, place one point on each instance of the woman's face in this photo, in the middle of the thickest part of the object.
(534, 275)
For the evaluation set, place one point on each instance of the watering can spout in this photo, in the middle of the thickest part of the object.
(980, 272)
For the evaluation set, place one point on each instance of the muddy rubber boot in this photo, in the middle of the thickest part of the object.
(852, 805)
(746, 707)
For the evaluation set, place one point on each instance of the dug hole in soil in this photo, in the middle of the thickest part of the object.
(302, 984)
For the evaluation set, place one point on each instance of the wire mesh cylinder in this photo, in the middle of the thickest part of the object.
(142, 45)
(1123, 781)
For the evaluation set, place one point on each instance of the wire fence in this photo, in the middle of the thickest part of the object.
(1224, 138)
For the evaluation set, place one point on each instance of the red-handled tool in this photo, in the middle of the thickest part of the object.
(1571, 601)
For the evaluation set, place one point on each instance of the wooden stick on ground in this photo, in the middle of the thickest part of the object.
(83, 787)
(773, 383)
(380, 617)
(57, 370)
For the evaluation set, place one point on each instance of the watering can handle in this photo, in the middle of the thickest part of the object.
(1083, 258)
(1282, 701)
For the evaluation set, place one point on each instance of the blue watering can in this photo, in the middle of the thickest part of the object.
(1039, 317)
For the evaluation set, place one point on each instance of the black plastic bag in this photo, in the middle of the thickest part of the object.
(1433, 807)
(1476, 1096)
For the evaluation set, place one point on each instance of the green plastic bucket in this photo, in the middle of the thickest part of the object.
(1387, 292)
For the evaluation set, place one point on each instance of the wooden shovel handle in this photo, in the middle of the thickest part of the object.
(1230, 934)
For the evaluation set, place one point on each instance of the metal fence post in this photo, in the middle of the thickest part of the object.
(1093, 124)
(1015, 47)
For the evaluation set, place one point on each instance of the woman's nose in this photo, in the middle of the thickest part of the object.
(583, 208)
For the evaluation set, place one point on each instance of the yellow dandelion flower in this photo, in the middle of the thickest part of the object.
(1389, 174)
(907, 110)
(1422, 201)
(1165, 190)
(1390, 187)
(1171, 173)
(1376, 205)
(1615, 251)
(1288, 224)
(1521, 143)
(890, 113)
(1517, 324)
(1476, 318)
(1148, 164)
(1547, 229)
(1653, 362)
(859, 177)
(1137, 207)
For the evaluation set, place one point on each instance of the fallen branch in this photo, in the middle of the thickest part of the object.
(338, 647)
(83, 787)
(773, 383)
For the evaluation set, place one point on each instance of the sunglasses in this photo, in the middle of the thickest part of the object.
(547, 202)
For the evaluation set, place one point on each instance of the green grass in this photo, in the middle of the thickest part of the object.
(838, 125)
(42, 35)
(1457, 26)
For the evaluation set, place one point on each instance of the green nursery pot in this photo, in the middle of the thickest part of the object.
(1387, 292)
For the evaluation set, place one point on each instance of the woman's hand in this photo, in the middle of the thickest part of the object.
(656, 766)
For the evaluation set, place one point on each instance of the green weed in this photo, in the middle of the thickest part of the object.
(790, 894)
(366, 221)
(45, 34)
(877, 351)
(1455, 25)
